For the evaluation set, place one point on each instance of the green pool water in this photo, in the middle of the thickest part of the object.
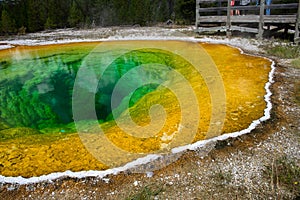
(36, 84)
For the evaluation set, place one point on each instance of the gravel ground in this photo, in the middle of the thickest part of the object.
(247, 167)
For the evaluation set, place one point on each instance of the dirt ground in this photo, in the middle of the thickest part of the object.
(263, 164)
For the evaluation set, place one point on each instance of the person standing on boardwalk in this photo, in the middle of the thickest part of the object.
(232, 5)
(235, 3)
(244, 3)
(268, 10)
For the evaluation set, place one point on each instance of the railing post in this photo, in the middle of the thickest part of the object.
(261, 20)
(197, 13)
(228, 21)
(296, 36)
(220, 5)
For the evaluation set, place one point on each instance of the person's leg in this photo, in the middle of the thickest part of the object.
(268, 10)
(232, 5)
(237, 12)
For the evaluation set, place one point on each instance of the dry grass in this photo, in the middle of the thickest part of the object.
(296, 63)
(284, 176)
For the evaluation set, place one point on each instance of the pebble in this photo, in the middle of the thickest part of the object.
(136, 183)
(149, 174)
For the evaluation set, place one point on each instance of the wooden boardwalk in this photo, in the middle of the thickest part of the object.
(217, 15)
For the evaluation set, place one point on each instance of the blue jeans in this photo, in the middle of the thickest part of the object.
(268, 10)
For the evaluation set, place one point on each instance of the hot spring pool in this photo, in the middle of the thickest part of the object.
(48, 123)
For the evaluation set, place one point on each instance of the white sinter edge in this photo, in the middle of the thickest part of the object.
(6, 46)
(253, 125)
(82, 174)
(144, 160)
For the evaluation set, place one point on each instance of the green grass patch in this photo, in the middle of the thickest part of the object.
(284, 172)
(296, 63)
(284, 51)
(146, 193)
(297, 92)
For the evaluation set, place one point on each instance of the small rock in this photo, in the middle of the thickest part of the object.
(136, 183)
(149, 174)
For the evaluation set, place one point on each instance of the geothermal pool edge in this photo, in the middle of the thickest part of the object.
(147, 159)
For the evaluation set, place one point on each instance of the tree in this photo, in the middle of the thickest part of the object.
(121, 8)
(185, 10)
(57, 12)
(7, 23)
(85, 6)
(75, 16)
(163, 11)
(36, 13)
(50, 24)
(139, 12)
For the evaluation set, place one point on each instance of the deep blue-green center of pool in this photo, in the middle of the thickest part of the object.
(36, 86)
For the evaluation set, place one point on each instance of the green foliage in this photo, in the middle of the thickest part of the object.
(57, 11)
(284, 51)
(284, 173)
(163, 11)
(185, 11)
(7, 23)
(297, 92)
(37, 15)
(138, 12)
(50, 24)
(75, 16)
(296, 63)
(104, 13)
(146, 193)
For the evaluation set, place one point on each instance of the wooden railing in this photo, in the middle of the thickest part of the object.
(219, 12)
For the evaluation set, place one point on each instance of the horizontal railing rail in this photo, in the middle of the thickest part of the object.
(215, 15)
(251, 7)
